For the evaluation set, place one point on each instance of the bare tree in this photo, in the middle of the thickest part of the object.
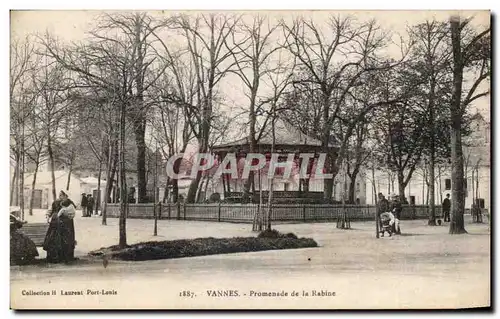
(107, 64)
(280, 78)
(206, 37)
(22, 65)
(53, 83)
(432, 80)
(471, 54)
(135, 30)
(36, 153)
(252, 60)
(334, 59)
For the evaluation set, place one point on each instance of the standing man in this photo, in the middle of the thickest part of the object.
(83, 203)
(383, 207)
(90, 205)
(397, 208)
(446, 208)
(383, 204)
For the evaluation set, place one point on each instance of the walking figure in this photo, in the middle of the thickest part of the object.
(446, 208)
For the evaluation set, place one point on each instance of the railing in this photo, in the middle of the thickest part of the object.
(244, 213)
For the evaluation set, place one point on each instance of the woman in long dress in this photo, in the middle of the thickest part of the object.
(60, 238)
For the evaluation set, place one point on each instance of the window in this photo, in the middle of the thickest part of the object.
(447, 184)
(412, 200)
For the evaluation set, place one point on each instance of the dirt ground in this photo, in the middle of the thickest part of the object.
(423, 268)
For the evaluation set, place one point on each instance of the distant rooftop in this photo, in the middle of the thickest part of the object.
(285, 135)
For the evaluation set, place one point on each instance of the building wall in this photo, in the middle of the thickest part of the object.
(74, 191)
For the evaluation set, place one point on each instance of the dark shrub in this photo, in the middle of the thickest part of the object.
(291, 235)
(273, 233)
(204, 246)
(269, 233)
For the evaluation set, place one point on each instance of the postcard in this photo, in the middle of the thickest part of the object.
(250, 160)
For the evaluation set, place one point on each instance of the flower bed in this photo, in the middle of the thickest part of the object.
(154, 250)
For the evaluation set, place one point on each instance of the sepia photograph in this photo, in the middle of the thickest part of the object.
(246, 160)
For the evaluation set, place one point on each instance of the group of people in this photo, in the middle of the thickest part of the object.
(389, 214)
(391, 211)
(87, 204)
(60, 240)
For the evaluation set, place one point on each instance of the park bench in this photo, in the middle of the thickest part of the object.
(35, 231)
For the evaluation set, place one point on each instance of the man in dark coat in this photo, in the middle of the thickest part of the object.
(90, 205)
(396, 208)
(383, 206)
(83, 203)
(446, 208)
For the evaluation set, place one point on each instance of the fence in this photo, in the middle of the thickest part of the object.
(244, 213)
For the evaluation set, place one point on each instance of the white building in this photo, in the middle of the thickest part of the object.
(43, 187)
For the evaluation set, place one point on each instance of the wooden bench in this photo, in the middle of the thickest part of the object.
(35, 231)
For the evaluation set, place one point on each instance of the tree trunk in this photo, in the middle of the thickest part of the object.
(352, 187)
(424, 178)
(13, 188)
(33, 184)
(109, 182)
(69, 175)
(206, 186)
(477, 181)
(329, 165)
(193, 187)
(165, 191)
(427, 196)
(175, 183)
(200, 189)
(52, 168)
(269, 204)
(98, 199)
(123, 184)
(374, 186)
(270, 180)
(440, 185)
(457, 162)
(432, 192)
(21, 180)
(139, 129)
(328, 183)
(402, 187)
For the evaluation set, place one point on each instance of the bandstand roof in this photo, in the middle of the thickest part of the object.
(286, 137)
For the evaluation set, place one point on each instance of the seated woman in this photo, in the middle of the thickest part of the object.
(22, 248)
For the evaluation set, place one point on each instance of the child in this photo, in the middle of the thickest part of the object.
(389, 223)
(67, 209)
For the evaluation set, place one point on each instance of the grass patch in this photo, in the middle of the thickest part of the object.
(154, 250)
